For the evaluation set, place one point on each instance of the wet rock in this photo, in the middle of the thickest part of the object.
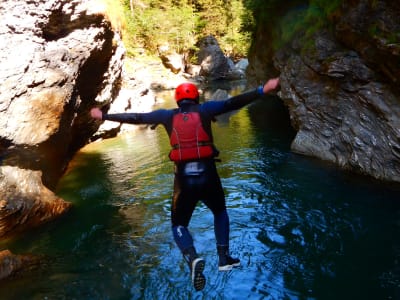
(341, 88)
(59, 58)
(26, 203)
(11, 264)
(341, 109)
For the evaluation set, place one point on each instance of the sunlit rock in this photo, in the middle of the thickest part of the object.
(58, 59)
(214, 64)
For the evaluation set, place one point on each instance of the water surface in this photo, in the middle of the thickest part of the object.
(302, 228)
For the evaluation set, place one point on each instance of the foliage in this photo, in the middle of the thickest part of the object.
(156, 24)
(114, 13)
(319, 14)
(375, 31)
(290, 18)
(236, 39)
(180, 24)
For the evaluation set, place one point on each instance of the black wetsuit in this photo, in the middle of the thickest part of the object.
(194, 181)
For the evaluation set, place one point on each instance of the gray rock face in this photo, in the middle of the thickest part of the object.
(214, 65)
(342, 90)
(213, 62)
(58, 59)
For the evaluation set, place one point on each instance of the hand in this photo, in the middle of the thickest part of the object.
(271, 85)
(96, 113)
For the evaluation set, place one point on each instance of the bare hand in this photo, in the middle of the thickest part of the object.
(271, 85)
(96, 113)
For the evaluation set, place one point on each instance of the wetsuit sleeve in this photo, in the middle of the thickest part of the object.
(233, 103)
(155, 117)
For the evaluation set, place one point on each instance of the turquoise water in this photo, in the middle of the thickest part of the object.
(302, 228)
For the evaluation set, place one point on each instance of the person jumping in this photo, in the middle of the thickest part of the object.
(194, 155)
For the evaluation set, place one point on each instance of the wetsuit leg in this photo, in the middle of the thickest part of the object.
(221, 227)
(214, 199)
(184, 201)
(183, 204)
(187, 191)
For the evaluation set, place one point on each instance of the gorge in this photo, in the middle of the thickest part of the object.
(59, 58)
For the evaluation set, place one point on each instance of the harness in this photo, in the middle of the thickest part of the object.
(188, 139)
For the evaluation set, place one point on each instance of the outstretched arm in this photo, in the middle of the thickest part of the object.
(239, 101)
(155, 117)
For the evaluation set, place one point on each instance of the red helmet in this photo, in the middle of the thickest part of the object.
(186, 91)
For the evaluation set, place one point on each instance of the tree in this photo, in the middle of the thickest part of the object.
(181, 23)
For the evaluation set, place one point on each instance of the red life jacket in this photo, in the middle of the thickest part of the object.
(188, 138)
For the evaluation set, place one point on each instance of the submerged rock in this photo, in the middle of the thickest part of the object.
(13, 264)
(25, 201)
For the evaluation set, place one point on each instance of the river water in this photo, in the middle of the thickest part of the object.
(302, 228)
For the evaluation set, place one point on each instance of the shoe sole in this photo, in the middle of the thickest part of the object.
(228, 267)
(198, 279)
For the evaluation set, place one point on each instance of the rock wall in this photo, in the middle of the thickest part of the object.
(58, 58)
(341, 87)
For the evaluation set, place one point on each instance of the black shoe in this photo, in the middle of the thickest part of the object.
(228, 263)
(198, 279)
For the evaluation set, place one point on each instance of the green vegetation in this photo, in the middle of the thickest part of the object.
(114, 13)
(147, 25)
(179, 24)
(376, 32)
(289, 18)
(157, 24)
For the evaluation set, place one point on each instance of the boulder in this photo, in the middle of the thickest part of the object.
(214, 64)
(173, 61)
(59, 58)
(238, 70)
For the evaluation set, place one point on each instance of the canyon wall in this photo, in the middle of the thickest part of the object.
(58, 58)
(341, 85)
